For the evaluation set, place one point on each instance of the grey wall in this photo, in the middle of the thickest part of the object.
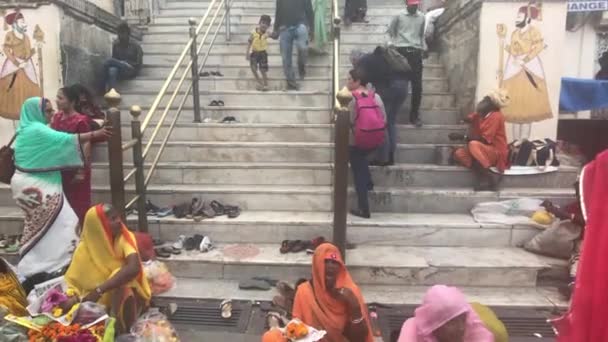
(84, 48)
(458, 35)
(86, 35)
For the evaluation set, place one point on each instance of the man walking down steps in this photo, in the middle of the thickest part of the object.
(293, 21)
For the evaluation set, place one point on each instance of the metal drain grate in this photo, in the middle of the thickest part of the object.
(206, 315)
(520, 323)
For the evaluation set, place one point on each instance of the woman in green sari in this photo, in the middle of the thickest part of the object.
(50, 224)
(320, 29)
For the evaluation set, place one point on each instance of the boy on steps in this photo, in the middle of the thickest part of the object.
(256, 52)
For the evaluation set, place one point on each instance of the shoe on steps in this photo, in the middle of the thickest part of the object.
(360, 213)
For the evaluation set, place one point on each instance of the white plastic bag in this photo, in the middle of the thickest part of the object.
(153, 326)
(511, 212)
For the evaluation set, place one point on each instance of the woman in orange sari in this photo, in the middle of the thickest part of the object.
(331, 301)
(106, 267)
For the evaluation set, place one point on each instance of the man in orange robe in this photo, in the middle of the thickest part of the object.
(487, 141)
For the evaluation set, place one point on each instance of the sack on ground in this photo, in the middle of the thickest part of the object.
(396, 61)
(369, 126)
(558, 241)
(515, 211)
(540, 153)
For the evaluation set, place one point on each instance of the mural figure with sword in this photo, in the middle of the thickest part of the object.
(18, 76)
(522, 73)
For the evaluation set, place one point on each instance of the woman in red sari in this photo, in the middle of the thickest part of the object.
(76, 183)
(586, 320)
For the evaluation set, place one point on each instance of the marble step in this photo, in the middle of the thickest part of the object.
(260, 8)
(375, 265)
(242, 37)
(400, 175)
(273, 48)
(316, 98)
(295, 115)
(238, 59)
(237, 132)
(243, 70)
(246, 98)
(252, 18)
(245, 23)
(300, 152)
(383, 229)
(319, 198)
(276, 83)
(535, 297)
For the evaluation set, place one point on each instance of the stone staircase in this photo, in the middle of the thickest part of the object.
(276, 164)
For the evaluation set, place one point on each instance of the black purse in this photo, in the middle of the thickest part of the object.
(7, 162)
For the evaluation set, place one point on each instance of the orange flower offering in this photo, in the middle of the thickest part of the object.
(296, 330)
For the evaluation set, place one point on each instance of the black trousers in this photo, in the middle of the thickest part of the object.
(414, 58)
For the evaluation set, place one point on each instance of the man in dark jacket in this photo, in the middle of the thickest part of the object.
(127, 58)
(293, 20)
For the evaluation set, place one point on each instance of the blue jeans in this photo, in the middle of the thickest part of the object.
(299, 35)
(393, 98)
(361, 176)
(115, 70)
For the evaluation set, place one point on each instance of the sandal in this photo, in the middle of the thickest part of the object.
(252, 284)
(228, 119)
(298, 246)
(218, 208)
(216, 73)
(232, 211)
(286, 246)
(162, 253)
(226, 308)
(213, 103)
(178, 245)
(205, 245)
(204, 74)
(181, 210)
(207, 211)
(275, 320)
(193, 242)
(270, 281)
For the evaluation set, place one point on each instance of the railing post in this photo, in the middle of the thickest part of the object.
(138, 162)
(195, 77)
(227, 7)
(342, 123)
(117, 184)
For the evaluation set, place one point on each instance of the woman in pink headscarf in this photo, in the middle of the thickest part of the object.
(445, 316)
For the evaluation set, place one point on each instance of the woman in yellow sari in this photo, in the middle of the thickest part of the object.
(106, 267)
(12, 295)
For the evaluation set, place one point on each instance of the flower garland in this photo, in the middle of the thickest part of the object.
(56, 332)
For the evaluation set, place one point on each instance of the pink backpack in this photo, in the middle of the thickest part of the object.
(369, 125)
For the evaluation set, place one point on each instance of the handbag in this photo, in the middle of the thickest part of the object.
(396, 61)
(7, 162)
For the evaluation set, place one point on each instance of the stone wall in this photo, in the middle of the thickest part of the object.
(458, 34)
(83, 54)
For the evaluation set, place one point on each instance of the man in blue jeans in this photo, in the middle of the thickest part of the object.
(292, 23)
(126, 61)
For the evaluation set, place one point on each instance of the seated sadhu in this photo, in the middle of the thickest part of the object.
(12, 296)
(446, 316)
(486, 142)
(106, 267)
(330, 301)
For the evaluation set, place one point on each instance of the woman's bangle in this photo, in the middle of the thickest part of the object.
(358, 320)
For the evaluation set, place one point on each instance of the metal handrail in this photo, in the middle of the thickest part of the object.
(341, 131)
(116, 146)
(181, 106)
(169, 79)
(181, 80)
